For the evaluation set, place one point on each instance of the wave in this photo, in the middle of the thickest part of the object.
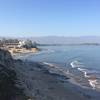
(76, 64)
(49, 64)
(53, 68)
(88, 74)
(91, 75)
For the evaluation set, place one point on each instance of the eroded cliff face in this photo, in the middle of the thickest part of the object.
(6, 58)
(8, 89)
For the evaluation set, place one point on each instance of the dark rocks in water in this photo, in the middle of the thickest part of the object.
(60, 77)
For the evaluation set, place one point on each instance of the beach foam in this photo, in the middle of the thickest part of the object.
(49, 64)
(91, 78)
(91, 75)
(76, 64)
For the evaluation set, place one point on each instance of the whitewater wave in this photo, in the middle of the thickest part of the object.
(88, 74)
(53, 68)
(91, 75)
(49, 64)
(76, 64)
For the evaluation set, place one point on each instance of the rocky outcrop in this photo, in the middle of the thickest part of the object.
(8, 89)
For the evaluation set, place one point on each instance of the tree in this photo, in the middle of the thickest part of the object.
(28, 44)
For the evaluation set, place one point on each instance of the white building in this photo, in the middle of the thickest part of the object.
(21, 43)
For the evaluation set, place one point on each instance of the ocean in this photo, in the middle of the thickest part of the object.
(81, 61)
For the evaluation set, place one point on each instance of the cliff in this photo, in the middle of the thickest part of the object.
(8, 89)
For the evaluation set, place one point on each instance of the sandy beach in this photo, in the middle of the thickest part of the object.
(40, 84)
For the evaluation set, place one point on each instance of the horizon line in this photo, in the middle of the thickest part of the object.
(48, 36)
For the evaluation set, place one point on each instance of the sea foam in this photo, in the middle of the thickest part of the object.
(89, 74)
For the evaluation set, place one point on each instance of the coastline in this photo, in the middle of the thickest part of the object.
(41, 81)
(20, 55)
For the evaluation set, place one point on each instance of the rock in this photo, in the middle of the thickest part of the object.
(8, 89)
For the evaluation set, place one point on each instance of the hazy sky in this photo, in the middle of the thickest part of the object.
(49, 17)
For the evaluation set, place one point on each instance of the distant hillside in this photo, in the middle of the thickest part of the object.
(63, 40)
(66, 40)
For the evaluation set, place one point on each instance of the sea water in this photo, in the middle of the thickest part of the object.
(82, 61)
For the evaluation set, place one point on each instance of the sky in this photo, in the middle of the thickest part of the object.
(49, 17)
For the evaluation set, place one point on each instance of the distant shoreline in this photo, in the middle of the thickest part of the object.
(94, 44)
(19, 55)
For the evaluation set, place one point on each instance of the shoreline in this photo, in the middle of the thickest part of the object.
(21, 55)
(59, 75)
(44, 80)
(40, 81)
